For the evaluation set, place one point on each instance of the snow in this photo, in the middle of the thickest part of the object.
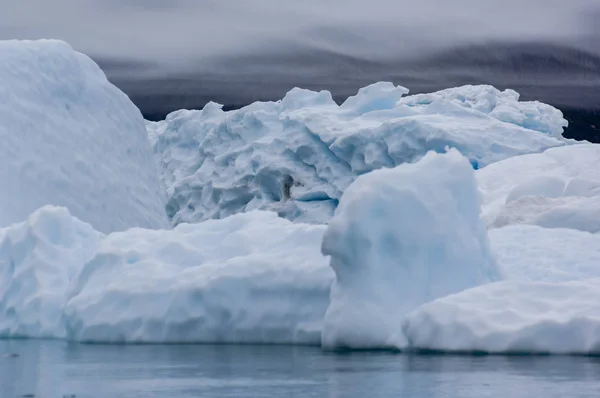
(250, 278)
(402, 237)
(559, 188)
(70, 138)
(298, 155)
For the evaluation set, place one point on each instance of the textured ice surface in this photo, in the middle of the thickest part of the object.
(70, 138)
(559, 188)
(38, 259)
(512, 317)
(530, 253)
(296, 156)
(250, 278)
(549, 302)
(402, 237)
(257, 278)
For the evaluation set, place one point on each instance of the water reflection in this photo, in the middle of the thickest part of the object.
(57, 369)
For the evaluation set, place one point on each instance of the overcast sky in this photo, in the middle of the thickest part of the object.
(179, 33)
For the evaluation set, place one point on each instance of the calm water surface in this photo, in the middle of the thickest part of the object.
(57, 369)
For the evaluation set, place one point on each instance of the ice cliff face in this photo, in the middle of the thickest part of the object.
(298, 155)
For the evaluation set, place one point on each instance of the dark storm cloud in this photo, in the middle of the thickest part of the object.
(180, 34)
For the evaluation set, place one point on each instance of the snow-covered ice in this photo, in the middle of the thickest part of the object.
(298, 155)
(70, 138)
(412, 264)
(402, 237)
(559, 188)
(529, 253)
(549, 302)
(249, 278)
(512, 317)
(38, 259)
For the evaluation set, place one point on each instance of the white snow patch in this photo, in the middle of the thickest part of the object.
(70, 138)
(298, 155)
(402, 237)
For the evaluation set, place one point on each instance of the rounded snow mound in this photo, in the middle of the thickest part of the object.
(70, 138)
(249, 278)
(298, 155)
(559, 188)
(402, 237)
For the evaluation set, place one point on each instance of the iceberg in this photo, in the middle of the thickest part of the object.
(38, 259)
(400, 238)
(70, 138)
(511, 317)
(250, 278)
(547, 304)
(408, 185)
(559, 188)
(297, 156)
(530, 253)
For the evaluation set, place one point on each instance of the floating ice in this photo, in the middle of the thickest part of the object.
(529, 253)
(512, 317)
(249, 278)
(548, 304)
(298, 155)
(402, 237)
(38, 259)
(559, 188)
(70, 138)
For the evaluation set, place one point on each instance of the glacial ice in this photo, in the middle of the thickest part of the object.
(38, 259)
(549, 302)
(512, 317)
(400, 238)
(296, 156)
(70, 138)
(258, 278)
(249, 278)
(404, 242)
(559, 188)
(530, 253)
